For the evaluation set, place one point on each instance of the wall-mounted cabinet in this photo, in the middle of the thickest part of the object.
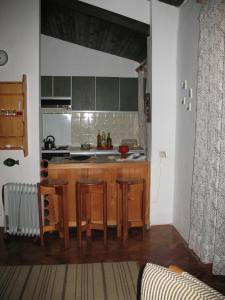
(91, 93)
(83, 93)
(55, 86)
(128, 94)
(13, 115)
(107, 93)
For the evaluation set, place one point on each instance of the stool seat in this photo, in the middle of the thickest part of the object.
(86, 190)
(91, 182)
(50, 188)
(123, 222)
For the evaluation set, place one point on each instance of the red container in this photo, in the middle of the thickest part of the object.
(123, 149)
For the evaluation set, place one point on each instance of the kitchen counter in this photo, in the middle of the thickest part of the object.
(93, 151)
(97, 159)
(107, 168)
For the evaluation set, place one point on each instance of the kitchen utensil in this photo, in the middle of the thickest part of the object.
(49, 142)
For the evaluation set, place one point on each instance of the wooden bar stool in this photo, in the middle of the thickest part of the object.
(91, 209)
(50, 189)
(124, 222)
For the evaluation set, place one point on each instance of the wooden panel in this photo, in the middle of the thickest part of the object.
(14, 141)
(95, 28)
(108, 172)
(11, 126)
(11, 87)
(14, 102)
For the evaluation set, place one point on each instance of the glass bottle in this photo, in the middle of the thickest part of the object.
(103, 139)
(99, 140)
(109, 140)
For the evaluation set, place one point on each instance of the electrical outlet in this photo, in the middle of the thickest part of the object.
(162, 154)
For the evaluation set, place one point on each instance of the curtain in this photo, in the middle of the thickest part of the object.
(141, 109)
(207, 230)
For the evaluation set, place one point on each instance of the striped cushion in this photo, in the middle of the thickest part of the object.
(159, 283)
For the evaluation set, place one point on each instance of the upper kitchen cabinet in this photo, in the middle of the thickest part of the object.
(55, 86)
(128, 94)
(62, 86)
(46, 86)
(83, 93)
(90, 93)
(107, 93)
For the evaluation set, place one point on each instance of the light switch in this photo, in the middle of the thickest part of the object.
(189, 106)
(184, 84)
(183, 100)
(162, 154)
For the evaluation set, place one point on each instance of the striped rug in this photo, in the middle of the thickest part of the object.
(110, 281)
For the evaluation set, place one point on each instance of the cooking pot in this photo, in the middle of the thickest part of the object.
(49, 142)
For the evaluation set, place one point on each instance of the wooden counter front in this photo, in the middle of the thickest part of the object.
(108, 172)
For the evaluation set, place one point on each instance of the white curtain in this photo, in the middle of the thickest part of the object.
(207, 232)
(141, 109)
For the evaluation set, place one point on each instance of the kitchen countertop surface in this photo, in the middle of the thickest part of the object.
(95, 160)
(93, 151)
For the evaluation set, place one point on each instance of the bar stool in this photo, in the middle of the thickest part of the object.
(87, 204)
(123, 221)
(49, 189)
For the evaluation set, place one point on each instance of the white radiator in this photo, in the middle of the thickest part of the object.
(21, 209)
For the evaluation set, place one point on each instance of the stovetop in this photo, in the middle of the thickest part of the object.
(58, 148)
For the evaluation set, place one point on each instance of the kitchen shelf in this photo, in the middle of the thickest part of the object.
(13, 128)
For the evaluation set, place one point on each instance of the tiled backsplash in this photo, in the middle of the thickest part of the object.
(85, 126)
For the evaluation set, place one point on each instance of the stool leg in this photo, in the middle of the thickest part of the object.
(40, 215)
(105, 212)
(143, 207)
(78, 210)
(118, 203)
(125, 212)
(65, 218)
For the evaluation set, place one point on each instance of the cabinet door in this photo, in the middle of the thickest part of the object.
(46, 86)
(62, 86)
(107, 93)
(83, 93)
(128, 94)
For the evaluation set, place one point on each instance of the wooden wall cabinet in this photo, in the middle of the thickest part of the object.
(13, 115)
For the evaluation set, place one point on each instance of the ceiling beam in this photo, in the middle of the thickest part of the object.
(93, 11)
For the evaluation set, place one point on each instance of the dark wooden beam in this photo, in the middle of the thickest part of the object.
(93, 11)
(62, 20)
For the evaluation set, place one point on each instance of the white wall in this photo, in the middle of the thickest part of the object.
(19, 32)
(63, 58)
(185, 130)
(164, 54)
(135, 9)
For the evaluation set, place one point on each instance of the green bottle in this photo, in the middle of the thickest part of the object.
(109, 140)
